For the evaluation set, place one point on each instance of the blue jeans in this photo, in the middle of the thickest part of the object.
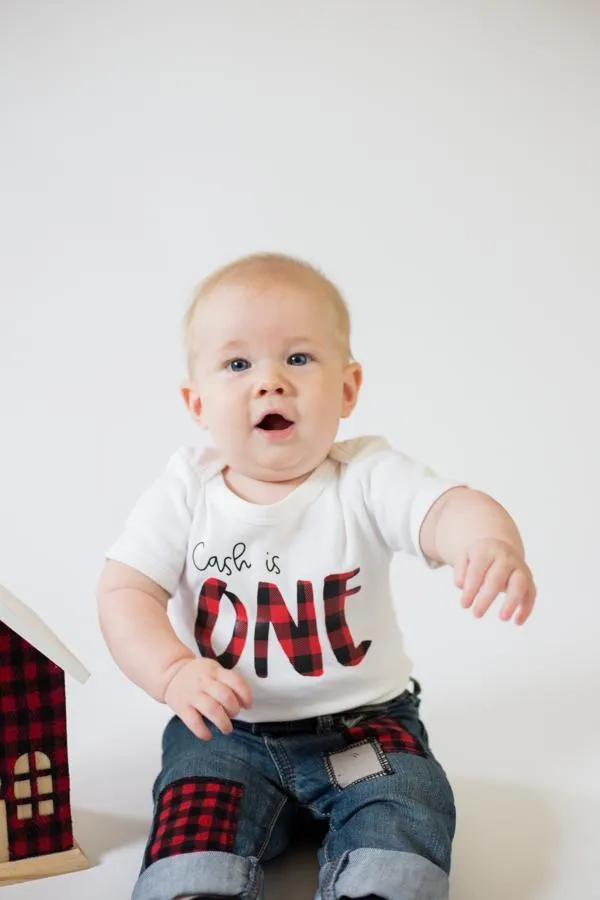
(223, 807)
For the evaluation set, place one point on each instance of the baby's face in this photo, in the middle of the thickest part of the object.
(271, 379)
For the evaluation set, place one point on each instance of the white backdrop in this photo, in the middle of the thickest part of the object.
(440, 161)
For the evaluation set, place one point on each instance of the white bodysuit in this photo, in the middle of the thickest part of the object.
(294, 595)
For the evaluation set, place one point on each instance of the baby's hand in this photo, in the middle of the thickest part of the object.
(202, 687)
(489, 567)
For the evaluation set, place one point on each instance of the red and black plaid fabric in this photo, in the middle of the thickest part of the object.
(195, 814)
(335, 591)
(209, 601)
(299, 640)
(390, 734)
(33, 719)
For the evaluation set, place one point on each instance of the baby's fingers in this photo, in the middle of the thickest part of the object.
(460, 570)
(222, 693)
(194, 721)
(520, 595)
(212, 710)
(237, 685)
(474, 578)
(495, 583)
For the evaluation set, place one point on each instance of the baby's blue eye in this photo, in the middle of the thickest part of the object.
(238, 365)
(299, 359)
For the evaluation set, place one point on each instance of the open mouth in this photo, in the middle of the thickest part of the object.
(274, 422)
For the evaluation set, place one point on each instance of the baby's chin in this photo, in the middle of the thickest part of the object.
(279, 470)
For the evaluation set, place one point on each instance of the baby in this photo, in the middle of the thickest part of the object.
(281, 657)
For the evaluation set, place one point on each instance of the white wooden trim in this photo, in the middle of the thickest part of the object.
(26, 623)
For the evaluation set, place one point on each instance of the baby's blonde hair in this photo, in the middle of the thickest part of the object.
(266, 267)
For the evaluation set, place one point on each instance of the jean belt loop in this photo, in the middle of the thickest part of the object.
(324, 723)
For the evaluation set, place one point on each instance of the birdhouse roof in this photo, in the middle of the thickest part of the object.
(26, 623)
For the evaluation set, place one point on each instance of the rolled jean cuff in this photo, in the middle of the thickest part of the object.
(208, 872)
(388, 874)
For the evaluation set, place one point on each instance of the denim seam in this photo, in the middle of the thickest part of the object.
(282, 763)
(332, 875)
(275, 760)
(257, 879)
(274, 821)
(330, 831)
(288, 767)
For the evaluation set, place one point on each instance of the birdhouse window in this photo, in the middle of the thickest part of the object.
(33, 785)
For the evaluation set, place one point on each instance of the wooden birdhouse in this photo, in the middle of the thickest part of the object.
(36, 832)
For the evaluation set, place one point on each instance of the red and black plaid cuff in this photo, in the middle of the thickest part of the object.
(195, 814)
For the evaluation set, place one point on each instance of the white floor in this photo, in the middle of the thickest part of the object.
(514, 841)
(527, 862)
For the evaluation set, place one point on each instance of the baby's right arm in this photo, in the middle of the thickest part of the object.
(133, 617)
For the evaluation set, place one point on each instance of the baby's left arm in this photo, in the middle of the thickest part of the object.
(472, 533)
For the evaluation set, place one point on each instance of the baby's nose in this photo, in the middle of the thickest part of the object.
(270, 387)
(270, 379)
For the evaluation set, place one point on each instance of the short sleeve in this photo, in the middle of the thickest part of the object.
(154, 540)
(399, 492)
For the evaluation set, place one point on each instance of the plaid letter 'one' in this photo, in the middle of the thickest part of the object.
(209, 601)
(335, 591)
(300, 640)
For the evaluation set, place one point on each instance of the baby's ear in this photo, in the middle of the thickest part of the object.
(351, 389)
(192, 401)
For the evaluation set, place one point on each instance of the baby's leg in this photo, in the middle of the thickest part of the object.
(391, 813)
(218, 813)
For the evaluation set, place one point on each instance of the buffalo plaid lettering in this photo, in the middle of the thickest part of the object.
(300, 640)
(335, 591)
(391, 735)
(208, 611)
(193, 815)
